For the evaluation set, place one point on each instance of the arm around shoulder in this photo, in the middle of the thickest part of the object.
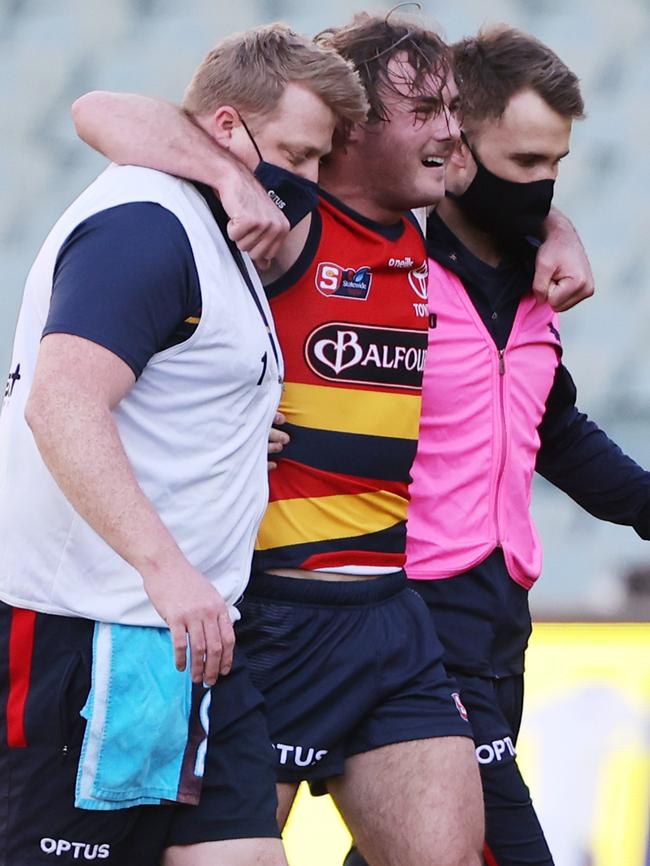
(132, 129)
(563, 274)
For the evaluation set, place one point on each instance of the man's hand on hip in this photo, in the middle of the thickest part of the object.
(196, 614)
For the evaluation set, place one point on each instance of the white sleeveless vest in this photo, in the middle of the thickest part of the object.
(194, 427)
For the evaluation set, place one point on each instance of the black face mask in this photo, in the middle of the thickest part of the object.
(505, 208)
(294, 195)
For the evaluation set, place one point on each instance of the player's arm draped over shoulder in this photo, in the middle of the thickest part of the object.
(76, 384)
(136, 130)
(563, 274)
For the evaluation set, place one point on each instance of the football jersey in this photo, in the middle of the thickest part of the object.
(352, 319)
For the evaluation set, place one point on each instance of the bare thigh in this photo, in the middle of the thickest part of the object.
(286, 795)
(235, 852)
(417, 803)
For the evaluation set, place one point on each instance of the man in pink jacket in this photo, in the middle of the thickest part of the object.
(497, 405)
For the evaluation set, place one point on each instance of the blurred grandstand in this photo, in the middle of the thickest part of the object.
(51, 52)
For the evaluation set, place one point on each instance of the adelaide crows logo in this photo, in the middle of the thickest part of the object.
(418, 280)
(334, 281)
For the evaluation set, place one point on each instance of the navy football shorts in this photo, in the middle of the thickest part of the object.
(345, 667)
(44, 681)
(483, 620)
(514, 836)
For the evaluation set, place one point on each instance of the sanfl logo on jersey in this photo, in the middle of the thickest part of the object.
(334, 281)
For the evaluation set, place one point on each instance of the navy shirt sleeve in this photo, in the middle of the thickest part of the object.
(126, 279)
(579, 458)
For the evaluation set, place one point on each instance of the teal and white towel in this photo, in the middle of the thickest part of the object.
(147, 724)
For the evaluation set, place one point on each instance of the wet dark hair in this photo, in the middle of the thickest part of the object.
(370, 42)
(491, 67)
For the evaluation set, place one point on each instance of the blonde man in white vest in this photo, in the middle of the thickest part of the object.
(144, 379)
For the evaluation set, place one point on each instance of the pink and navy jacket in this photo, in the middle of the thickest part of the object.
(478, 445)
(492, 355)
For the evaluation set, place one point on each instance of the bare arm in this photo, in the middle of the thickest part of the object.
(137, 130)
(76, 384)
(563, 274)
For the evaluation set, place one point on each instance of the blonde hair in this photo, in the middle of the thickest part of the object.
(251, 70)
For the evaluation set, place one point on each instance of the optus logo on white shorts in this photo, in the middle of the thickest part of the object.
(76, 850)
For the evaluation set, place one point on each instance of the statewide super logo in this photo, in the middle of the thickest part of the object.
(346, 352)
(334, 281)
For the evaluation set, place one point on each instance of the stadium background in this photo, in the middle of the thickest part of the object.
(586, 730)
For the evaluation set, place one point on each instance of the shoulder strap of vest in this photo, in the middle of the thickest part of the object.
(221, 218)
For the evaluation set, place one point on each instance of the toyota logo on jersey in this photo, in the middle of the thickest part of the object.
(348, 352)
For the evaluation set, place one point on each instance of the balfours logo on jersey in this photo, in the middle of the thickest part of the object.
(334, 281)
(347, 352)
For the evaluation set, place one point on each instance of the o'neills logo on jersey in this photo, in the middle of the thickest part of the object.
(406, 262)
(333, 281)
(346, 352)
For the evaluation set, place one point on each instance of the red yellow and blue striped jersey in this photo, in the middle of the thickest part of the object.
(352, 319)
